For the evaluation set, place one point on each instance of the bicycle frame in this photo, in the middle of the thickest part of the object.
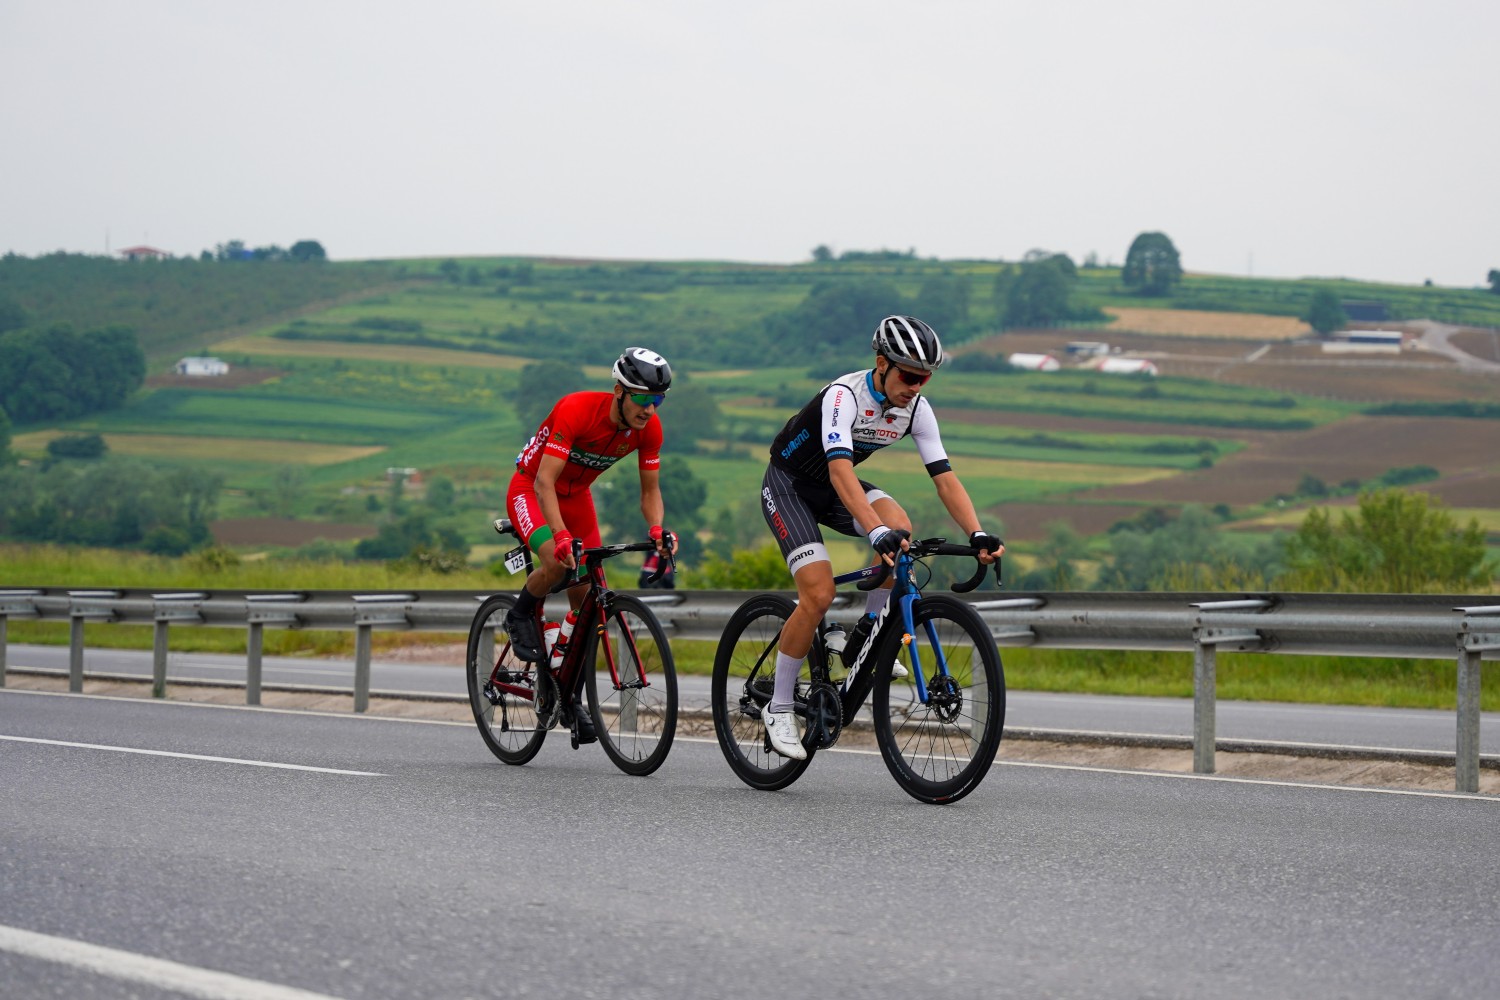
(594, 609)
(904, 596)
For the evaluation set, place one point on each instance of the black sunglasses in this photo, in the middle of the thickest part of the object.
(910, 377)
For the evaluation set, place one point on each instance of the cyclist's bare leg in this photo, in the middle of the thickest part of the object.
(814, 594)
(548, 574)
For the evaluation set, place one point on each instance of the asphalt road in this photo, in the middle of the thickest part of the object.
(439, 872)
(1403, 729)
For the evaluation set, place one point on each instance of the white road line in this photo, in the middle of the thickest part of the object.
(193, 756)
(1256, 781)
(1313, 786)
(262, 709)
(157, 972)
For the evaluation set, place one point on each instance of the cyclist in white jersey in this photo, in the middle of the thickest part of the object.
(811, 481)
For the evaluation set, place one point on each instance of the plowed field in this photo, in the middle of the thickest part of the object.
(283, 531)
(1358, 448)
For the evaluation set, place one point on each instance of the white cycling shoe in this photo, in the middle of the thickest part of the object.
(781, 730)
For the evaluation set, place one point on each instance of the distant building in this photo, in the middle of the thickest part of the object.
(1034, 362)
(144, 253)
(1366, 342)
(1081, 349)
(201, 367)
(1126, 366)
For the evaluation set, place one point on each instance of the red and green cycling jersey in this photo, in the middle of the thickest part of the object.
(581, 430)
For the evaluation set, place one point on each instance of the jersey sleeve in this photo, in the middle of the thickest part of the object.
(839, 406)
(924, 431)
(648, 454)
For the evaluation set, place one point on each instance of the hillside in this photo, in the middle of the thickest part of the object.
(343, 371)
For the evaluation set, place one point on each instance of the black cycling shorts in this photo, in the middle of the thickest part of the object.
(794, 508)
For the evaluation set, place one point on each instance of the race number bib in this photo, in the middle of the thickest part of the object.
(515, 560)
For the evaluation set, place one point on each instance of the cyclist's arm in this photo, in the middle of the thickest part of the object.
(846, 484)
(648, 461)
(839, 403)
(956, 499)
(547, 473)
(924, 430)
(652, 508)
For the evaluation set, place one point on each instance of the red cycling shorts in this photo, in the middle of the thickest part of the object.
(525, 512)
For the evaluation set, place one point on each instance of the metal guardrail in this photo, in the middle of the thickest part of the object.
(1464, 629)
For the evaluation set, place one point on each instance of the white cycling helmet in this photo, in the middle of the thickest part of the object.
(643, 370)
(908, 341)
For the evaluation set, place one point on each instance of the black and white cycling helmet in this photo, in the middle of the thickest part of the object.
(908, 341)
(643, 370)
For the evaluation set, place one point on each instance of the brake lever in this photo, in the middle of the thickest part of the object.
(662, 565)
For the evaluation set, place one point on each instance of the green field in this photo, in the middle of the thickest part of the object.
(415, 363)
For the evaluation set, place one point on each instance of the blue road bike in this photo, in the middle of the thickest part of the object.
(938, 728)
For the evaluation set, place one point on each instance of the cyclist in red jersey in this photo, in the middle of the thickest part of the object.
(549, 500)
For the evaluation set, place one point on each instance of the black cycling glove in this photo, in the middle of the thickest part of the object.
(984, 540)
(888, 542)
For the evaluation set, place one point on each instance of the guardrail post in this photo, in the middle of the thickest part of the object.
(159, 659)
(1475, 638)
(1466, 755)
(80, 610)
(75, 653)
(262, 610)
(165, 609)
(1205, 695)
(1206, 643)
(361, 667)
(13, 602)
(371, 610)
(254, 643)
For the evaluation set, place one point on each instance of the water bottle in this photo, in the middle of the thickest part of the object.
(834, 637)
(550, 632)
(564, 631)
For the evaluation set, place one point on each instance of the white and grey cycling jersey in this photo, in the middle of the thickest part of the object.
(849, 418)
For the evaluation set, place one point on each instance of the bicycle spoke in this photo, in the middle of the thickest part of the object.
(744, 675)
(939, 750)
(633, 689)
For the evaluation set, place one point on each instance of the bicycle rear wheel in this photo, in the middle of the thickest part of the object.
(506, 713)
(941, 750)
(635, 720)
(744, 675)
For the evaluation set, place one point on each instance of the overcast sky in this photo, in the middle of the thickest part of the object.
(1300, 138)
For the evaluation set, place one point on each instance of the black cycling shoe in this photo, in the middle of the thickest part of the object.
(583, 725)
(524, 641)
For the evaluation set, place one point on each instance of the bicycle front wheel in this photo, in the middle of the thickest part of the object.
(744, 678)
(940, 750)
(636, 716)
(502, 689)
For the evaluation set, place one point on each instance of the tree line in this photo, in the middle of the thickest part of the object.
(56, 374)
(113, 502)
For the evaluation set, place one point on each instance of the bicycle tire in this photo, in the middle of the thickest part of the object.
(939, 752)
(636, 727)
(516, 737)
(747, 651)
